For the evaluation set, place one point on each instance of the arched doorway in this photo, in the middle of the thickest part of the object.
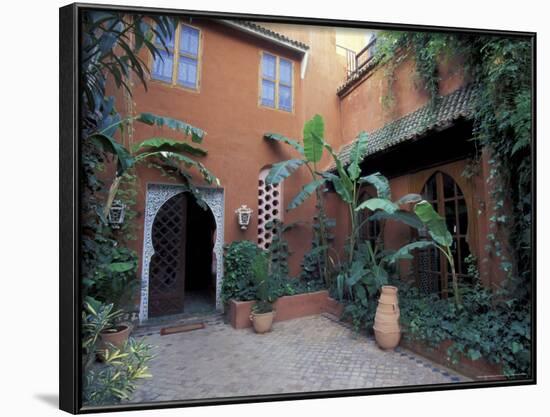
(181, 277)
(432, 271)
(210, 241)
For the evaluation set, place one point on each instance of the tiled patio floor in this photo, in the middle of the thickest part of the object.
(308, 354)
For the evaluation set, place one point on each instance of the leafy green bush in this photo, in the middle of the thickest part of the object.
(485, 325)
(238, 280)
(109, 270)
(115, 379)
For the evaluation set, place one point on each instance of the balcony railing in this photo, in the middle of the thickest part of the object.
(355, 62)
(365, 55)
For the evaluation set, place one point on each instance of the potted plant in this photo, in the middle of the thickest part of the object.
(107, 324)
(262, 311)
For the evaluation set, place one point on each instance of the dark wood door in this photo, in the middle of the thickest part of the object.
(167, 267)
(433, 272)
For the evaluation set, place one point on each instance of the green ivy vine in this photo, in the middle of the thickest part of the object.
(500, 69)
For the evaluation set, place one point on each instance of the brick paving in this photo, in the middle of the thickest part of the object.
(313, 353)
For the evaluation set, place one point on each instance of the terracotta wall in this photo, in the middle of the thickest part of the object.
(226, 107)
(478, 201)
(363, 107)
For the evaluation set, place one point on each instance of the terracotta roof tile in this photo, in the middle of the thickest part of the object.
(443, 112)
(268, 32)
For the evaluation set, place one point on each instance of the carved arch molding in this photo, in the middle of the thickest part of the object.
(157, 195)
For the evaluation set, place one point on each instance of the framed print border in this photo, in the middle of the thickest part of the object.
(70, 373)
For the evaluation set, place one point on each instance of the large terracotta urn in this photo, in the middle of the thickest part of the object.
(386, 321)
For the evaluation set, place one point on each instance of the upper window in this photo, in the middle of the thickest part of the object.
(276, 82)
(181, 63)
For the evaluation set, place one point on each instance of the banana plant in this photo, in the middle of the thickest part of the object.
(422, 217)
(165, 153)
(310, 153)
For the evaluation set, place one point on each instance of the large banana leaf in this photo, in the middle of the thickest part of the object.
(409, 198)
(374, 279)
(282, 170)
(151, 119)
(280, 138)
(342, 182)
(434, 222)
(314, 132)
(342, 189)
(305, 193)
(403, 216)
(358, 150)
(379, 182)
(356, 273)
(109, 144)
(374, 204)
(188, 162)
(405, 251)
(159, 144)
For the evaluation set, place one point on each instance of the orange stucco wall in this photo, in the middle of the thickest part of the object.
(226, 107)
(364, 107)
(478, 201)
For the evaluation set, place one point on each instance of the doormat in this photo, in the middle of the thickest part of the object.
(179, 329)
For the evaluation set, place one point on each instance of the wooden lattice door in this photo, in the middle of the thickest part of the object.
(167, 267)
(433, 272)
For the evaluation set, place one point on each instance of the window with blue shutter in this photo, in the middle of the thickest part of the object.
(285, 84)
(164, 64)
(181, 63)
(276, 83)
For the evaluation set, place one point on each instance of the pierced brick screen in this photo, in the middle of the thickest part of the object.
(269, 208)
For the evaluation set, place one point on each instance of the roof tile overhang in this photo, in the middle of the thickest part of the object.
(269, 35)
(440, 114)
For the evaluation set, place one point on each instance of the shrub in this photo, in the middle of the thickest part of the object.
(238, 281)
(485, 325)
(116, 379)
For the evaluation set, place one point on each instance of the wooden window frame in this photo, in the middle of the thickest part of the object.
(458, 234)
(176, 54)
(277, 82)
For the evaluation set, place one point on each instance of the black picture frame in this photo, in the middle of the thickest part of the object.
(70, 372)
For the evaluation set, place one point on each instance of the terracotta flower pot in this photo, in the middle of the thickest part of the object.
(387, 317)
(387, 331)
(387, 326)
(116, 336)
(262, 322)
(387, 308)
(387, 340)
(388, 295)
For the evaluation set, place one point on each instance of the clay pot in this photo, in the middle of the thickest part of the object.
(262, 322)
(386, 327)
(387, 316)
(387, 309)
(387, 340)
(116, 336)
(388, 295)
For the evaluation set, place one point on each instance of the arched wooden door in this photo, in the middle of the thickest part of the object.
(432, 271)
(167, 267)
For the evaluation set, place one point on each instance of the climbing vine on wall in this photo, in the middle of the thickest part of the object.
(500, 69)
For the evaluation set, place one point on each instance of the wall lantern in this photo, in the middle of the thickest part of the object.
(244, 214)
(116, 214)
